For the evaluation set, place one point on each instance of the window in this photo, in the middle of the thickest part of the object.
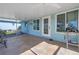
(61, 22)
(71, 23)
(36, 24)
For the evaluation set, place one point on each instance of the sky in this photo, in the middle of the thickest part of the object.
(6, 25)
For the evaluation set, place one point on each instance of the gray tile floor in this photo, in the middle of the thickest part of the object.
(20, 45)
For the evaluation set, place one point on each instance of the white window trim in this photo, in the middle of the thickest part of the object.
(39, 25)
(65, 19)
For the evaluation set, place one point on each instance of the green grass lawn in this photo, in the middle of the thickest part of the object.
(8, 33)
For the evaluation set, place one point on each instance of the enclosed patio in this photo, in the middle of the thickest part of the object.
(39, 28)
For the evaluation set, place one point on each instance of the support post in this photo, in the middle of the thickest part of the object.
(16, 26)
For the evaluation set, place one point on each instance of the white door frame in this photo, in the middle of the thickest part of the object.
(49, 26)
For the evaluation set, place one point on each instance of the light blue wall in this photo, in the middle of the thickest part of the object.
(34, 32)
(23, 27)
(28, 28)
(54, 35)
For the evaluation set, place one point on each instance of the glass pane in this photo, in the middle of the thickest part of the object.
(72, 19)
(36, 24)
(61, 23)
(37, 28)
(46, 26)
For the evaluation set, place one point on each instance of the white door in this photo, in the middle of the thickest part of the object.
(46, 26)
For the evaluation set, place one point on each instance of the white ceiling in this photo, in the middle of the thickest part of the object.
(27, 11)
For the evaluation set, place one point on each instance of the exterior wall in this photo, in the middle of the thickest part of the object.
(23, 27)
(54, 35)
(28, 29)
(34, 32)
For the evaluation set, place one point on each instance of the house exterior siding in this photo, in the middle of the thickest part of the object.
(58, 36)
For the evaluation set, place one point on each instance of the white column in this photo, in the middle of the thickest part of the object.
(16, 26)
(78, 29)
(78, 19)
